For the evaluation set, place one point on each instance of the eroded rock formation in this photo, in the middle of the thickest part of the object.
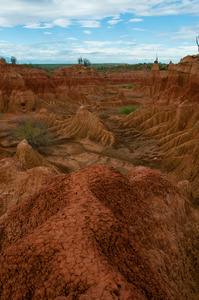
(83, 126)
(23, 89)
(100, 235)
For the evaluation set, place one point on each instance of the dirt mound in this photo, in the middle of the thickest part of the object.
(83, 126)
(31, 158)
(18, 183)
(99, 236)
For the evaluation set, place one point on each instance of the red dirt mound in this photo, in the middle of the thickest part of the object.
(18, 183)
(83, 126)
(96, 235)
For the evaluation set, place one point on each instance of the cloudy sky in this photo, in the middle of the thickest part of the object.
(112, 31)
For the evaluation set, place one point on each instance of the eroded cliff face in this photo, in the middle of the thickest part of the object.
(181, 84)
(171, 118)
(23, 89)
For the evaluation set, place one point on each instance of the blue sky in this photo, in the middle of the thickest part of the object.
(109, 31)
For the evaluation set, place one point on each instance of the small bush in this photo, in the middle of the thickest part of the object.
(129, 86)
(35, 132)
(128, 110)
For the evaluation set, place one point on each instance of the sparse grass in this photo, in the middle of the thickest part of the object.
(129, 86)
(110, 82)
(128, 110)
(1, 115)
(35, 132)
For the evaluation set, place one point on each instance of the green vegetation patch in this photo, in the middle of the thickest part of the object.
(35, 132)
(128, 110)
(128, 86)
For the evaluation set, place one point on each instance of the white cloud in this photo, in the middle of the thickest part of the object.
(38, 26)
(58, 22)
(87, 32)
(72, 38)
(138, 29)
(62, 22)
(89, 23)
(58, 12)
(97, 51)
(186, 32)
(136, 20)
(47, 32)
(114, 21)
(107, 43)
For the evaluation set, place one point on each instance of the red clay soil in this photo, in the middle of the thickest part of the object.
(18, 183)
(23, 89)
(95, 234)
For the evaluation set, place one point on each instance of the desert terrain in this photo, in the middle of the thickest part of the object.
(106, 204)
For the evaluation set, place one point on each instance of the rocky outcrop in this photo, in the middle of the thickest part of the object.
(181, 84)
(100, 235)
(23, 89)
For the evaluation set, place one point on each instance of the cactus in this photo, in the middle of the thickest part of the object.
(197, 42)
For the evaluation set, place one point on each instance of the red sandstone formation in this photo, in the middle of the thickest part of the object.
(176, 132)
(83, 126)
(100, 236)
(23, 89)
(171, 117)
(181, 84)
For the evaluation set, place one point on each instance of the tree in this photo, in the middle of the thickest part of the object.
(87, 63)
(80, 60)
(13, 60)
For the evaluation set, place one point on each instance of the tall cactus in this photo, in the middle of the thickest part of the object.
(197, 42)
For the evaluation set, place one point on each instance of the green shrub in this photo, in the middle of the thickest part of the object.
(128, 86)
(35, 132)
(128, 110)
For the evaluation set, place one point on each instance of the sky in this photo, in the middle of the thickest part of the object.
(103, 31)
